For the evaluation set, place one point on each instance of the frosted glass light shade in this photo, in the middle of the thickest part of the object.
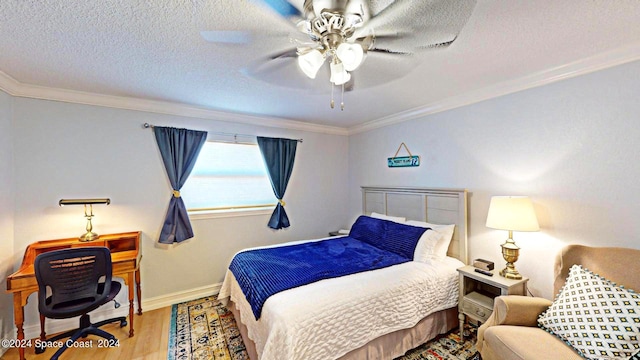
(514, 213)
(351, 55)
(310, 63)
(339, 75)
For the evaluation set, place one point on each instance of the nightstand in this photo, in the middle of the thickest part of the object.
(477, 292)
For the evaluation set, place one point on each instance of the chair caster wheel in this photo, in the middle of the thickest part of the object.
(40, 349)
(123, 323)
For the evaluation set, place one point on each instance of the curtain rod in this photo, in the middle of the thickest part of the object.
(148, 126)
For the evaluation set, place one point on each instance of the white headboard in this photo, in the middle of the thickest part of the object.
(433, 205)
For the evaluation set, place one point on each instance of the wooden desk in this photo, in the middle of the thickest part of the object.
(125, 257)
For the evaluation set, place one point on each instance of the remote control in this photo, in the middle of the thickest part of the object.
(488, 273)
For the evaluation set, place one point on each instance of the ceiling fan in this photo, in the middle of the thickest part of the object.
(343, 33)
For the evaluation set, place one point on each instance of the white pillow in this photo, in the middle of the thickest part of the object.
(397, 219)
(426, 246)
(445, 232)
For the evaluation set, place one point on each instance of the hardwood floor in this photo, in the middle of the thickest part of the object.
(149, 342)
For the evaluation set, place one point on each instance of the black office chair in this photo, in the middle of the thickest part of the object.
(73, 282)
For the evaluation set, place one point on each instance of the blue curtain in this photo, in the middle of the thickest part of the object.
(179, 149)
(278, 155)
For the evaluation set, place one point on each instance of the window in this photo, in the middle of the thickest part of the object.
(228, 177)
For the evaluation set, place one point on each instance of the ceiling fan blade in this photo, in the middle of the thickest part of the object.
(284, 8)
(227, 36)
(244, 37)
(290, 53)
(382, 67)
(350, 85)
(387, 51)
(282, 69)
(439, 45)
(268, 67)
(408, 44)
(279, 68)
(405, 25)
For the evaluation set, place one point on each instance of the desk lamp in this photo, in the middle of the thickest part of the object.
(89, 235)
(512, 213)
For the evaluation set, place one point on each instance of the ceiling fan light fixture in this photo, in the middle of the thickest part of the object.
(311, 62)
(351, 55)
(339, 74)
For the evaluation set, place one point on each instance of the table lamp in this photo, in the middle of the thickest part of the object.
(89, 235)
(512, 213)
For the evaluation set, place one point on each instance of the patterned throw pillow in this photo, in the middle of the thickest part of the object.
(594, 316)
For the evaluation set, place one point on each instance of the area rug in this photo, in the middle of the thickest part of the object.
(205, 329)
(447, 347)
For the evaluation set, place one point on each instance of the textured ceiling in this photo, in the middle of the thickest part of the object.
(153, 50)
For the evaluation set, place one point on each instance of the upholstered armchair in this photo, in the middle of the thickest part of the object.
(512, 331)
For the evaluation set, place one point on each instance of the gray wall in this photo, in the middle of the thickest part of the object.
(572, 146)
(67, 150)
(6, 213)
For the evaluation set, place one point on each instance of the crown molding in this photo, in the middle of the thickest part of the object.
(8, 84)
(18, 89)
(584, 66)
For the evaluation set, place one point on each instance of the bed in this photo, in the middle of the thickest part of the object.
(377, 314)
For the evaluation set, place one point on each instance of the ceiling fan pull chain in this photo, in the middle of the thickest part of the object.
(333, 104)
(342, 99)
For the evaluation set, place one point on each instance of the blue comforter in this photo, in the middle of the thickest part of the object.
(264, 272)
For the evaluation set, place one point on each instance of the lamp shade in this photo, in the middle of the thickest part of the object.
(310, 63)
(351, 55)
(64, 202)
(339, 75)
(514, 213)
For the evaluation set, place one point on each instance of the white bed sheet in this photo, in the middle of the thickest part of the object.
(328, 318)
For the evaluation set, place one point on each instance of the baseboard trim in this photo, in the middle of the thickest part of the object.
(180, 296)
(32, 331)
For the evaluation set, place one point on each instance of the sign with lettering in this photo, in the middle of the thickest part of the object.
(403, 161)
